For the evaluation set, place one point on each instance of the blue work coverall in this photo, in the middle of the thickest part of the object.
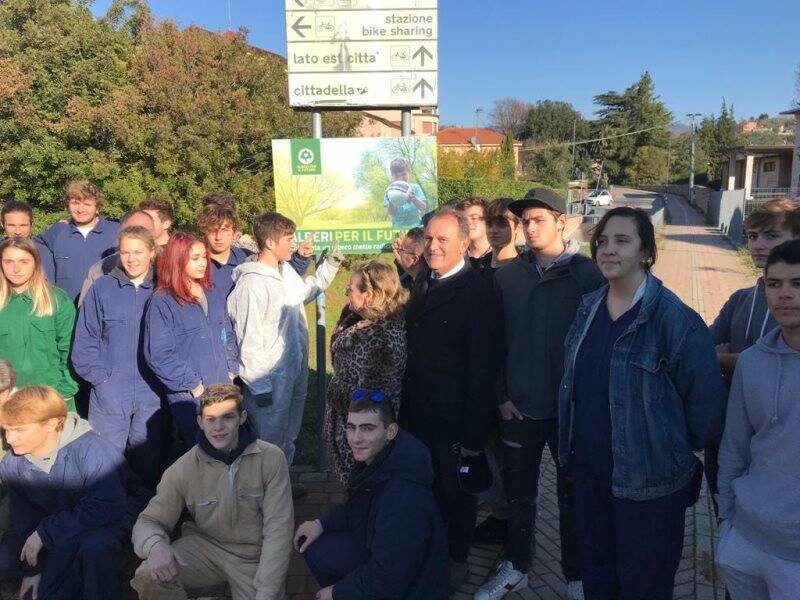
(125, 404)
(184, 347)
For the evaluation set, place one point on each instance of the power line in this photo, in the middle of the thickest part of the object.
(600, 139)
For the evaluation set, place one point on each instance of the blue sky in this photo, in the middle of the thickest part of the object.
(698, 52)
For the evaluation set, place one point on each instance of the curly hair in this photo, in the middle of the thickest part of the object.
(389, 297)
(83, 190)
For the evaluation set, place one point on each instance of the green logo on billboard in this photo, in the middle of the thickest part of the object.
(306, 157)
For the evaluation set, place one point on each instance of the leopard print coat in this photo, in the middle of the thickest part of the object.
(369, 355)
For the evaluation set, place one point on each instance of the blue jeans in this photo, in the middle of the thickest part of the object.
(628, 549)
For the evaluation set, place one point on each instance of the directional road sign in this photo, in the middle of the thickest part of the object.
(362, 53)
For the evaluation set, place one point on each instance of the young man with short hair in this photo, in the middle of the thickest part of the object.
(479, 250)
(541, 291)
(267, 308)
(236, 488)
(449, 384)
(219, 226)
(408, 258)
(759, 458)
(163, 217)
(68, 504)
(387, 540)
(70, 248)
(16, 218)
(745, 317)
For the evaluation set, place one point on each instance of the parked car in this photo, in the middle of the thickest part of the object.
(599, 198)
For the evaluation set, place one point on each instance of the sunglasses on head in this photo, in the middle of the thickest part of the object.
(375, 395)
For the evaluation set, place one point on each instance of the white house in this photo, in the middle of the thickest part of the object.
(794, 185)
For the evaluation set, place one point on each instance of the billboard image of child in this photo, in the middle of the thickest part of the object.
(405, 202)
(360, 192)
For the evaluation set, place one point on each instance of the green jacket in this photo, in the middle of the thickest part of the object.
(38, 347)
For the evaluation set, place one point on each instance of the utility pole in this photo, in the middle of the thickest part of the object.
(669, 164)
(691, 160)
(572, 167)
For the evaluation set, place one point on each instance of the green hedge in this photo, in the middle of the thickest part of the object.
(450, 189)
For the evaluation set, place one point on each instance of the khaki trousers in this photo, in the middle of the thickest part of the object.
(207, 563)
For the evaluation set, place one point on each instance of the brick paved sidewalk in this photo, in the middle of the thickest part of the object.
(699, 265)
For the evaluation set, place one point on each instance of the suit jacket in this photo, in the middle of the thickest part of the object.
(453, 358)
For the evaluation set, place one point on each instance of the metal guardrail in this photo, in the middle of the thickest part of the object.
(760, 195)
(770, 193)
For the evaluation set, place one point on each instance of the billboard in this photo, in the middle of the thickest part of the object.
(360, 192)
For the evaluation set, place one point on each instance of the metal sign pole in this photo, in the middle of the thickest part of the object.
(322, 347)
(405, 122)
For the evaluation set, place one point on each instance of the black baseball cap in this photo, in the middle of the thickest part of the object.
(539, 198)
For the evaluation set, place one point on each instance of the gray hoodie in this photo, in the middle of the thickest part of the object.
(74, 427)
(759, 459)
(744, 318)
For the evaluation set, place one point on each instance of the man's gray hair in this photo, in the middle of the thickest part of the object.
(458, 215)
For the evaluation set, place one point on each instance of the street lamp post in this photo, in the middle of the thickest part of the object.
(478, 112)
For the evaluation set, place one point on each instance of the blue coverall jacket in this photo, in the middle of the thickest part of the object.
(185, 347)
(107, 351)
(79, 509)
(67, 255)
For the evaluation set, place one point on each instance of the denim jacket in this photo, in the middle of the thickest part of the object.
(666, 395)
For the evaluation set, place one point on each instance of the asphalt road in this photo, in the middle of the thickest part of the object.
(651, 202)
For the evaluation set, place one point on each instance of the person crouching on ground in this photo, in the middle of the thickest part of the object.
(388, 540)
(68, 503)
(236, 488)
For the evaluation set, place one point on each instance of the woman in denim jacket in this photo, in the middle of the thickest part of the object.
(641, 391)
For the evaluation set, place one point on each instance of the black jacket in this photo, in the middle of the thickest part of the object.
(392, 513)
(454, 350)
(538, 311)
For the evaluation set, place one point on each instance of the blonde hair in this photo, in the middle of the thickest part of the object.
(38, 288)
(32, 404)
(389, 297)
(136, 232)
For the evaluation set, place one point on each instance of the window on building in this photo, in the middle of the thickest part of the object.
(769, 167)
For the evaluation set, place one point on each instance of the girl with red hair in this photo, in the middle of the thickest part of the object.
(188, 339)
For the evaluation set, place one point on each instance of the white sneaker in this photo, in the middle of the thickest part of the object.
(575, 590)
(505, 580)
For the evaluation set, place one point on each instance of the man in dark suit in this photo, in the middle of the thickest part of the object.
(453, 352)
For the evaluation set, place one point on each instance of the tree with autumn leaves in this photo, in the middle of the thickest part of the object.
(142, 108)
